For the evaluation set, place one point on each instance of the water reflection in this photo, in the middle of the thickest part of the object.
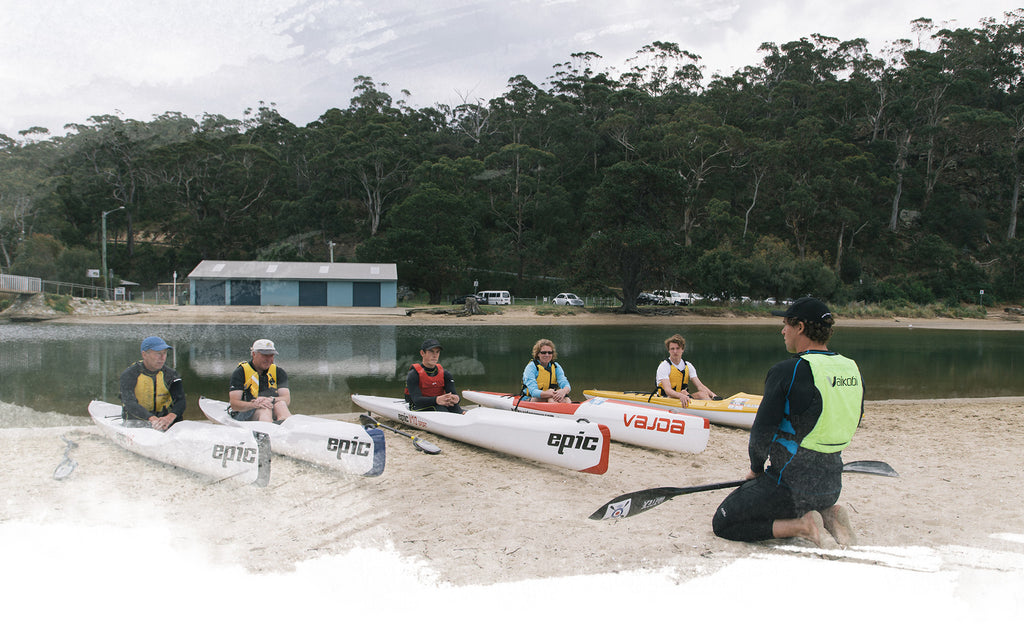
(62, 367)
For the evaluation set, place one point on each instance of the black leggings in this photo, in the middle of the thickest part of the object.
(747, 514)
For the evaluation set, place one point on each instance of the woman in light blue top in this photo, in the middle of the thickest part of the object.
(543, 378)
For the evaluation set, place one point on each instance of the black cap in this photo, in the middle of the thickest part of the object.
(430, 344)
(806, 310)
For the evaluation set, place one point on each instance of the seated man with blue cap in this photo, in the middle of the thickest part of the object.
(152, 391)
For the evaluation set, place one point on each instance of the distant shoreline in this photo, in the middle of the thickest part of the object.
(519, 316)
(95, 312)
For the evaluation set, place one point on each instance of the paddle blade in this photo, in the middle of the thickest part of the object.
(367, 421)
(630, 504)
(426, 447)
(874, 467)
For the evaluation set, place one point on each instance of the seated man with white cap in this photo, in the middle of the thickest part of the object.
(259, 388)
(150, 390)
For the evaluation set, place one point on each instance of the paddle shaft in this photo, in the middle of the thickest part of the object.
(630, 504)
(422, 445)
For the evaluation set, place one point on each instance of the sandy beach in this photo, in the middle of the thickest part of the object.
(472, 517)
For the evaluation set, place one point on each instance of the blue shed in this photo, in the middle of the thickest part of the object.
(292, 284)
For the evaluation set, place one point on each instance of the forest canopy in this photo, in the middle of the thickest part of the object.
(823, 169)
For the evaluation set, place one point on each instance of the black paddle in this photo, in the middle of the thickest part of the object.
(422, 445)
(630, 504)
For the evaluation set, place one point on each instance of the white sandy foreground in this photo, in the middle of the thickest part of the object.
(470, 543)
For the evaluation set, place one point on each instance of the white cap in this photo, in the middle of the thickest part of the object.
(264, 346)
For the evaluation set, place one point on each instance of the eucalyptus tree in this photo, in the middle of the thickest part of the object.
(219, 192)
(522, 197)
(700, 150)
(432, 234)
(624, 222)
(117, 152)
(27, 185)
(376, 149)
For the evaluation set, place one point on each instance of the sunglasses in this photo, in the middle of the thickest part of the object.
(546, 353)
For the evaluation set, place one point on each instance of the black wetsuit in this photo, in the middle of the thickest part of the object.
(793, 483)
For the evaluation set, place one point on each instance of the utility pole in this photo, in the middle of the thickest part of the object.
(106, 287)
(331, 243)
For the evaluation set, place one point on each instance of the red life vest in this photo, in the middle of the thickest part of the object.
(430, 386)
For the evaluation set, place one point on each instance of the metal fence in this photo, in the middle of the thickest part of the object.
(20, 284)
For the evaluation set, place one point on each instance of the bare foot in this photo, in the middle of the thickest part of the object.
(807, 527)
(814, 524)
(836, 521)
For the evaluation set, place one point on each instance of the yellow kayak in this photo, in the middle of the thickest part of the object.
(735, 411)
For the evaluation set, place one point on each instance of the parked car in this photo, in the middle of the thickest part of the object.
(570, 299)
(461, 299)
(494, 297)
(648, 298)
(673, 297)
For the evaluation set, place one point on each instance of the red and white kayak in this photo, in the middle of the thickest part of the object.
(214, 451)
(643, 425)
(738, 410)
(580, 446)
(334, 444)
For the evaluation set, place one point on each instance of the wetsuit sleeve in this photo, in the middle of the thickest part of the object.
(132, 409)
(416, 398)
(771, 412)
(449, 382)
(530, 380)
(282, 378)
(177, 389)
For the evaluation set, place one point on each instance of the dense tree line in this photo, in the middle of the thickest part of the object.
(823, 170)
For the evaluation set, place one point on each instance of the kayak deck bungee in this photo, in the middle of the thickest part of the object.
(643, 425)
(737, 410)
(214, 451)
(334, 444)
(580, 446)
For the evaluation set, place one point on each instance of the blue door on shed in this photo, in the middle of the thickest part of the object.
(210, 291)
(312, 294)
(245, 292)
(365, 294)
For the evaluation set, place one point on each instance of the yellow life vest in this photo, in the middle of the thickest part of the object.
(151, 390)
(547, 378)
(678, 379)
(252, 379)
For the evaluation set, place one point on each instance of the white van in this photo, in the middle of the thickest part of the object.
(494, 297)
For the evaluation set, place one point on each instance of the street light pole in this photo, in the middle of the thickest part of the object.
(331, 244)
(106, 288)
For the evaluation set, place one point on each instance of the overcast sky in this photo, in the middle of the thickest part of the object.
(62, 61)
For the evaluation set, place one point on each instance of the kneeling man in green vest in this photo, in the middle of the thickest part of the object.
(813, 403)
(259, 388)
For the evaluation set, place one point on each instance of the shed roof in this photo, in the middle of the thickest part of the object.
(260, 270)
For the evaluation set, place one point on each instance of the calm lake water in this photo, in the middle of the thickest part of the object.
(62, 367)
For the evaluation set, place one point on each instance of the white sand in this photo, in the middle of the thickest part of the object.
(470, 542)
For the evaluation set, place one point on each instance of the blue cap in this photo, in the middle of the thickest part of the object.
(153, 343)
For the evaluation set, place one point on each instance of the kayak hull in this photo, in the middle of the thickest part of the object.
(735, 411)
(334, 444)
(649, 426)
(212, 451)
(579, 446)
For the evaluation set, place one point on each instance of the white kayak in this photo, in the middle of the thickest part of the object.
(200, 447)
(738, 410)
(646, 426)
(580, 446)
(337, 445)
